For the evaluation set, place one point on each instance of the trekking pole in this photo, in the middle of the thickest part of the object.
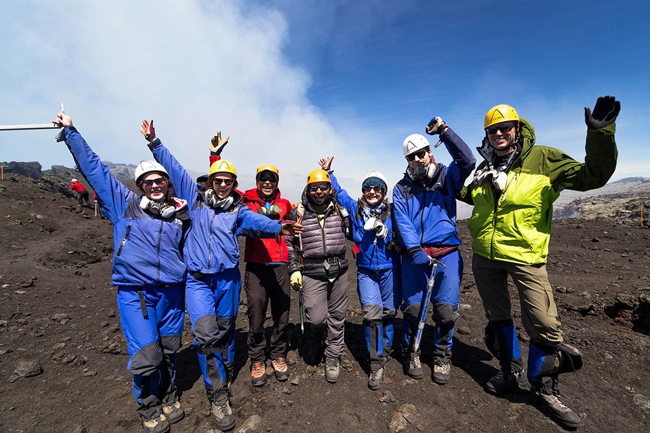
(26, 127)
(425, 303)
(301, 308)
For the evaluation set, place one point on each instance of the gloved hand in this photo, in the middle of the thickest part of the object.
(296, 281)
(605, 113)
(326, 163)
(381, 230)
(436, 126)
(217, 144)
(421, 258)
(147, 130)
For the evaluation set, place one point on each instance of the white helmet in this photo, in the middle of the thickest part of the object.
(146, 167)
(74, 180)
(414, 143)
(375, 175)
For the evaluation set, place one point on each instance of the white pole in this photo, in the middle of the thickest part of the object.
(25, 127)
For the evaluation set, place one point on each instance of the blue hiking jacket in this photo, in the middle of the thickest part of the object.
(147, 249)
(425, 212)
(372, 255)
(211, 244)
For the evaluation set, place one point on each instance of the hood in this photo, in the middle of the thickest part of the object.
(526, 137)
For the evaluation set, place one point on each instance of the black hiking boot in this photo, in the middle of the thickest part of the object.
(173, 411)
(549, 396)
(441, 370)
(154, 421)
(413, 366)
(510, 377)
(376, 377)
(222, 414)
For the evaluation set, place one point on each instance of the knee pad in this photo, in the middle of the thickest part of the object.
(412, 313)
(444, 314)
(371, 312)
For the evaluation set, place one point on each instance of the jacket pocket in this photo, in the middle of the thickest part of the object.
(124, 241)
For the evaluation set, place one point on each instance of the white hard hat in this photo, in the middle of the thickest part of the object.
(74, 180)
(375, 175)
(146, 167)
(414, 143)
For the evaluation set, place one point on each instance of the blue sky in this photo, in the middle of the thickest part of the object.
(292, 81)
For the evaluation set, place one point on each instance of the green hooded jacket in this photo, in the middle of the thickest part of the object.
(516, 226)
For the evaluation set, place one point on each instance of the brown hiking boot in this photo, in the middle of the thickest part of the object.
(258, 374)
(281, 369)
(548, 393)
(156, 423)
(173, 412)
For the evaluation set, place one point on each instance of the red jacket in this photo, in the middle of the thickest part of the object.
(266, 250)
(77, 187)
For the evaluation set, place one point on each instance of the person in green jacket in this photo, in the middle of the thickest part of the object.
(513, 192)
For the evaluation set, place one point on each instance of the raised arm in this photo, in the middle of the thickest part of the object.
(112, 193)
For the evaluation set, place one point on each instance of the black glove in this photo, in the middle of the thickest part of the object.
(605, 113)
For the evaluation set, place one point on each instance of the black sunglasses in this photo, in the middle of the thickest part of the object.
(267, 179)
(503, 127)
(368, 188)
(159, 181)
(314, 188)
(220, 181)
(419, 154)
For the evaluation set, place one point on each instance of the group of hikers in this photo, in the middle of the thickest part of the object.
(176, 248)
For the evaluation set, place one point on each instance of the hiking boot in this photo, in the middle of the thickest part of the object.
(441, 370)
(173, 412)
(376, 378)
(414, 367)
(222, 415)
(156, 423)
(548, 393)
(331, 369)
(504, 382)
(258, 374)
(280, 369)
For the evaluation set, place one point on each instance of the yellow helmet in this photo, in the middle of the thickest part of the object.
(500, 113)
(222, 166)
(318, 176)
(267, 167)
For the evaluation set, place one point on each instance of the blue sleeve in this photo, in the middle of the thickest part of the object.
(348, 202)
(405, 226)
(112, 194)
(254, 225)
(184, 185)
(464, 161)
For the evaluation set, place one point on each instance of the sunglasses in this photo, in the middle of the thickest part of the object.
(376, 188)
(159, 181)
(504, 127)
(222, 181)
(314, 188)
(267, 179)
(419, 154)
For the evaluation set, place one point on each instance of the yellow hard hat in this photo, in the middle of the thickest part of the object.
(499, 114)
(267, 167)
(222, 166)
(318, 176)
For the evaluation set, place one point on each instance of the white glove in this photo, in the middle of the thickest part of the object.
(381, 230)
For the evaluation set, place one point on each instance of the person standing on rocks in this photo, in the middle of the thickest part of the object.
(424, 203)
(377, 265)
(318, 266)
(82, 193)
(211, 253)
(267, 275)
(513, 191)
(148, 271)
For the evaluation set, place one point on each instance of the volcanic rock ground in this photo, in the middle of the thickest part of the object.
(58, 308)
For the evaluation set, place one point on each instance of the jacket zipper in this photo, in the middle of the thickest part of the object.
(424, 201)
(158, 252)
(126, 238)
(210, 242)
